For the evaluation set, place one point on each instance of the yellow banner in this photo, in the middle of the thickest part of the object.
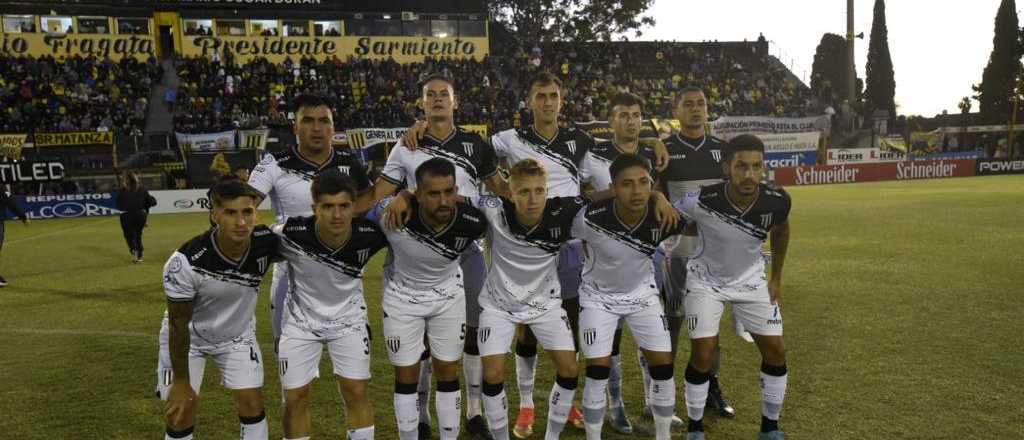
(74, 138)
(277, 49)
(10, 145)
(115, 47)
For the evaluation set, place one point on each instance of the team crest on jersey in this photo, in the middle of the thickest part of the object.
(460, 242)
(263, 262)
(393, 343)
(717, 154)
(363, 254)
(572, 147)
(468, 148)
(589, 336)
(484, 333)
(766, 220)
(691, 322)
(555, 232)
(344, 169)
(282, 366)
(655, 234)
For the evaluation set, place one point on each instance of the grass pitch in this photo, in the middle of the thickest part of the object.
(902, 303)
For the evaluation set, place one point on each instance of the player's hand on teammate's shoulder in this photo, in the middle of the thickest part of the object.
(397, 213)
(411, 138)
(661, 156)
(664, 212)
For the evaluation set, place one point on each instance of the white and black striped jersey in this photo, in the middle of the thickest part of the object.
(522, 279)
(618, 270)
(326, 284)
(474, 160)
(730, 239)
(566, 157)
(423, 265)
(605, 152)
(693, 162)
(222, 291)
(286, 178)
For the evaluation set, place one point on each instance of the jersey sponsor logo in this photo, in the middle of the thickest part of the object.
(717, 154)
(572, 147)
(468, 148)
(344, 169)
(365, 229)
(393, 343)
(471, 218)
(766, 220)
(363, 254)
(198, 254)
(261, 233)
(589, 336)
(295, 228)
(484, 333)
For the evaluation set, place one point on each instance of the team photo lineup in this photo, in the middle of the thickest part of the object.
(491, 220)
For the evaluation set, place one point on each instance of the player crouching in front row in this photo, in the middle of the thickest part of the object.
(211, 284)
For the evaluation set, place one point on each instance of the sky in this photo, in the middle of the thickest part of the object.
(939, 48)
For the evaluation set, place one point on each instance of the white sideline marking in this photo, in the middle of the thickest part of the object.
(74, 332)
(59, 231)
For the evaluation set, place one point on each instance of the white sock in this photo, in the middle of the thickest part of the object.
(696, 397)
(423, 390)
(496, 411)
(773, 392)
(472, 369)
(526, 371)
(663, 403)
(644, 370)
(407, 416)
(594, 403)
(254, 431)
(559, 405)
(359, 433)
(615, 383)
(449, 410)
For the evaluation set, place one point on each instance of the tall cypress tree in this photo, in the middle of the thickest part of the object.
(995, 92)
(881, 81)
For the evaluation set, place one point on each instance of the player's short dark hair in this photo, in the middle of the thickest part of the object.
(437, 77)
(437, 167)
(625, 99)
(625, 161)
(330, 182)
(309, 101)
(745, 142)
(688, 89)
(544, 78)
(231, 189)
(527, 167)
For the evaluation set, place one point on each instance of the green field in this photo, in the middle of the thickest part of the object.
(903, 305)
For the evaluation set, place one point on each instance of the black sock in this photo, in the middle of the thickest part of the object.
(695, 426)
(769, 425)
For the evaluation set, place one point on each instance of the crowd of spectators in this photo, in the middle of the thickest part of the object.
(75, 94)
(739, 79)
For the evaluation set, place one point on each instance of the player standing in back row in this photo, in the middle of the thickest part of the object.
(695, 161)
(733, 220)
(475, 167)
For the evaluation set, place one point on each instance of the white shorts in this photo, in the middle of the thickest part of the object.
(496, 330)
(279, 286)
(752, 308)
(240, 363)
(648, 326)
(299, 351)
(444, 323)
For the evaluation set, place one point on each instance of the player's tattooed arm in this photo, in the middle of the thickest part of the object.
(497, 185)
(779, 245)
(398, 211)
(181, 397)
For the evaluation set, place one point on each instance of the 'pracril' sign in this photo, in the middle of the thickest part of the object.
(114, 47)
(277, 49)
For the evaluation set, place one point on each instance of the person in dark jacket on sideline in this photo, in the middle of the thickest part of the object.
(7, 203)
(134, 202)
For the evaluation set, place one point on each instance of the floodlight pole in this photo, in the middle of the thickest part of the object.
(851, 80)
